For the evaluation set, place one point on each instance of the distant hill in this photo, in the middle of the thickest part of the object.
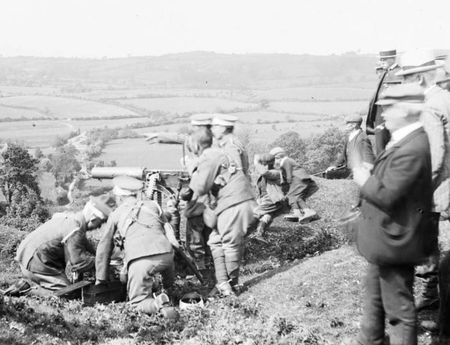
(191, 70)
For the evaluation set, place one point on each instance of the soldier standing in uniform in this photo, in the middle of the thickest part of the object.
(197, 233)
(374, 122)
(218, 174)
(140, 229)
(45, 252)
(222, 129)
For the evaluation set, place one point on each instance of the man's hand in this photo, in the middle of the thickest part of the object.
(360, 175)
(330, 168)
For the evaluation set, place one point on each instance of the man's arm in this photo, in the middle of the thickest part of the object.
(76, 252)
(203, 178)
(434, 127)
(104, 250)
(366, 151)
(403, 171)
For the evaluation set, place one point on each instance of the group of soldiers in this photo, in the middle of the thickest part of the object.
(222, 211)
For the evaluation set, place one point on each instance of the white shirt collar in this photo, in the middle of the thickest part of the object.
(429, 89)
(353, 134)
(400, 133)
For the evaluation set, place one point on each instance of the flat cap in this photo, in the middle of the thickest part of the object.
(353, 118)
(417, 61)
(224, 120)
(201, 119)
(126, 185)
(267, 158)
(403, 93)
(103, 203)
(277, 150)
(386, 54)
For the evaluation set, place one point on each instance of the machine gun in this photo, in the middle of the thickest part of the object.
(159, 185)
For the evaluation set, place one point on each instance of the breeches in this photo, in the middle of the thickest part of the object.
(301, 189)
(227, 241)
(197, 235)
(141, 273)
(267, 206)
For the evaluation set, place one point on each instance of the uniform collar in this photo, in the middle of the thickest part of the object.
(226, 138)
(353, 134)
(394, 66)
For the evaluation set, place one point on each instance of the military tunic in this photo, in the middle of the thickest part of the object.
(234, 210)
(236, 151)
(146, 249)
(45, 252)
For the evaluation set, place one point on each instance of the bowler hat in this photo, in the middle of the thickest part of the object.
(224, 120)
(386, 54)
(417, 61)
(403, 93)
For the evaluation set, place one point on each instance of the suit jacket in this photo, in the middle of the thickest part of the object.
(395, 226)
(356, 151)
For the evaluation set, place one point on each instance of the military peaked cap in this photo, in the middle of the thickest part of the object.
(224, 120)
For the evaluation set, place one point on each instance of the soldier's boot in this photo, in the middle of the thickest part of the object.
(294, 216)
(261, 229)
(428, 275)
(162, 304)
(308, 215)
(224, 289)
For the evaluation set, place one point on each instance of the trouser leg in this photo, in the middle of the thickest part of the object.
(141, 279)
(218, 255)
(47, 282)
(398, 301)
(372, 323)
(195, 240)
(428, 274)
(233, 224)
(444, 287)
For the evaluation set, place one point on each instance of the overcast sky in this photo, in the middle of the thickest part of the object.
(118, 28)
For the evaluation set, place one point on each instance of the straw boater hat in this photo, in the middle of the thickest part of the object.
(387, 54)
(224, 120)
(403, 93)
(417, 61)
(201, 119)
(446, 66)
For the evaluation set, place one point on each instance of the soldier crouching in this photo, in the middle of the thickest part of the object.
(216, 173)
(45, 252)
(140, 229)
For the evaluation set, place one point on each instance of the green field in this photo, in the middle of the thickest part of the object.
(42, 133)
(65, 108)
(187, 105)
(327, 108)
(18, 114)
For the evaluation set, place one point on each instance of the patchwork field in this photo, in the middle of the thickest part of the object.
(65, 108)
(325, 108)
(42, 133)
(188, 105)
(10, 113)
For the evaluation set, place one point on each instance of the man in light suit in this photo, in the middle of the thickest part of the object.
(419, 67)
(374, 121)
(393, 232)
(357, 150)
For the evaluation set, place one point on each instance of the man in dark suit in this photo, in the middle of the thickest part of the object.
(357, 150)
(374, 121)
(394, 230)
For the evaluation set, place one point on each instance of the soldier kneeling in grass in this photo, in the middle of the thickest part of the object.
(44, 254)
(140, 229)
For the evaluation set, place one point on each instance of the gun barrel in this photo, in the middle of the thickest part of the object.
(111, 172)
